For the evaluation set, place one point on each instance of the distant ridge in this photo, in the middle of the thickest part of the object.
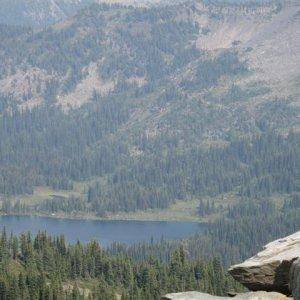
(38, 13)
(41, 13)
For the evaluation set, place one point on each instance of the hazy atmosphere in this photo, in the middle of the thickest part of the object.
(149, 149)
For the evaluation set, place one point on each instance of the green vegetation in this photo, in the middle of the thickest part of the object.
(176, 125)
(118, 112)
(42, 267)
(235, 235)
(252, 168)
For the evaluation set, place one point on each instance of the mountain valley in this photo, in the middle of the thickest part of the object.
(148, 106)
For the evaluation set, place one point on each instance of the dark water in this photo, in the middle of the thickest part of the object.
(105, 232)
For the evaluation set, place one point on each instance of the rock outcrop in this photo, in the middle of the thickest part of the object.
(269, 270)
(272, 274)
(295, 279)
(245, 296)
(190, 296)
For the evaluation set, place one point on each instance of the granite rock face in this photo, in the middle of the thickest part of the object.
(269, 270)
(246, 296)
(273, 274)
(295, 279)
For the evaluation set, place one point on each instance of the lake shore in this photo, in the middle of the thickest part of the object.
(179, 211)
(141, 216)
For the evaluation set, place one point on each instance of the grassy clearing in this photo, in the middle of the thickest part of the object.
(179, 211)
(42, 193)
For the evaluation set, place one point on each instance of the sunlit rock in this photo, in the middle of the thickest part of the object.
(269, 270)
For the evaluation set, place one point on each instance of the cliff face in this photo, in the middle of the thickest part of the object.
(269, 270)
(273, 273)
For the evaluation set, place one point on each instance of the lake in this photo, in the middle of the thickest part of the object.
(106, 232)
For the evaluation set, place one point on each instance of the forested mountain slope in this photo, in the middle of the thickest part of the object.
(150, 105)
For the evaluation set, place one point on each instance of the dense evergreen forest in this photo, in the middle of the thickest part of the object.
(43, 267)
(237, 235)
(122, 109)
(123, 99)
(252, 168)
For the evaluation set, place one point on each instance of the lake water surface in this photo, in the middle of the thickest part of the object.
(106, 232)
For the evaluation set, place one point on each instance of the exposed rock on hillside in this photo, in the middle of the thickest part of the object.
(26, 87)
(269, 270)
(246, 296)
(271, 35)
(84, 90)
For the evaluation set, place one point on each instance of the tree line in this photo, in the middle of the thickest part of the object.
(44, 267)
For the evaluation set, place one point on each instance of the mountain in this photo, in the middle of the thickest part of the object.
(41, 13)
(148, 105)
(38, 13)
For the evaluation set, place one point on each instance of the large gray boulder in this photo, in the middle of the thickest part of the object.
(245, 296)
(191, 296)
(269, 270)
(295, 279)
